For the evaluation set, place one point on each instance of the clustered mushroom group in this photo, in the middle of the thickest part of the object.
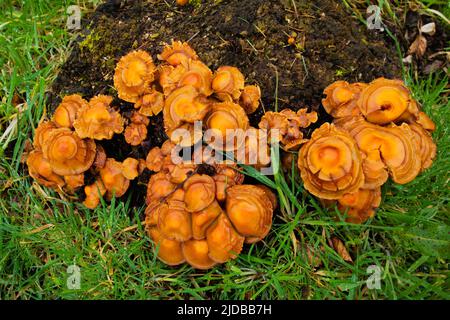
(202, 214)
(378, 132)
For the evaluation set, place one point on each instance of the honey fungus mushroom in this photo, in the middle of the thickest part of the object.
(98, 120)
(67, 153)
(249, 99)
(41, 171)
(228, 83)
(384, 101)
(177, 53)
(227, 120)
(150, 104)
(66, 113)
(359, 206)
(330, 163)
(134, 75)
(341, 99)
(186, 215)
(136, 132)
(391, 148)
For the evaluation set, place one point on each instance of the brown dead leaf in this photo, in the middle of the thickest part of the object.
(341, 250)
(419, 46)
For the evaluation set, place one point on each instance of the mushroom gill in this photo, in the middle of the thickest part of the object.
(98, 120)
(134, 75)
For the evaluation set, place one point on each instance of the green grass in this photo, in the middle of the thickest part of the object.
(42, 233)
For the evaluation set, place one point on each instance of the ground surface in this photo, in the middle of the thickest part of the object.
(42, 233)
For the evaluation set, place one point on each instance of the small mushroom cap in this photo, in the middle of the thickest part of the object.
(154, 160)
(67, 153)
(275, 120)
(360, 205)
(228, 82)
(159, 187)
(305, 118)
(135, 134)
(113, 178)
(226, 176)
(424, 120)
(94, 193)
(384, 101)
(196, 254)
(130, 168)
(330, 163)
(177, 53)
(341, 99)
(249, 99)
(184, 105)
(250, 210)
(203, 219)
(98, 120)
(74, 182)
(223, 240)
(133, 76)
(181, 172)
(66, 113)
(200, 192)
(150, 104)
(224, 118)
(197, 75)
(174, 222)
(169, 251)
(41, 170)
(41, 133)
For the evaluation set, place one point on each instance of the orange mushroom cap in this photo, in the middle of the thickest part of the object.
(228, 82)
(130, 168)
(159, 187)
(196, 253)
(94, 193)
(74, 182)
(384, 101)
(424, 120)
(425, 144)
(226, 176)
(330, 163)
(174, 222)
(66, 153)
(341, 99)
(224, 118)
(155, 159)
(179, 173)
(250, 211)
(360, 205)
(177, 53)
(66, 113)
(113, 178)
(250, 97)
(98, 120)
(134, 74)
(198, 75)
(41, 133)
(203, 219)
(200, 192)
(150, 104)
(169, 251)
(40, 170)
(223, 241)
(184, 105)
(395, 146)
(305, 118)
(135, 134)
(275, 120)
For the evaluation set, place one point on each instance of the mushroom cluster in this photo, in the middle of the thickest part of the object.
(202, 217)
(378, 132)
(66, 149)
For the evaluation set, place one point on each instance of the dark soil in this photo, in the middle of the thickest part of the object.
(249, 34)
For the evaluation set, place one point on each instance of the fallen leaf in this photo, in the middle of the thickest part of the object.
(419, 46)
(341, 250)
(429, 28)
